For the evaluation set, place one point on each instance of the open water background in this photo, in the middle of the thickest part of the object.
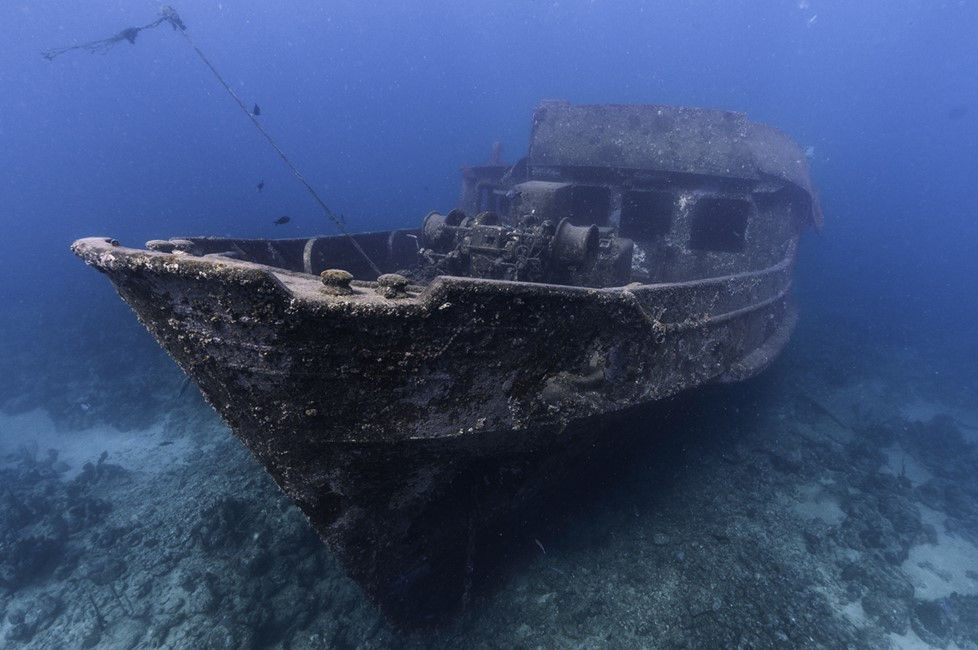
(379, 104)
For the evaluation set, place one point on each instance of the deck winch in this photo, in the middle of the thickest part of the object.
(481, 246)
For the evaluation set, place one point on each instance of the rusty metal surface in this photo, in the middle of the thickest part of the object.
(328, 390)
(674, 139)
(462, 355)
(411, 422)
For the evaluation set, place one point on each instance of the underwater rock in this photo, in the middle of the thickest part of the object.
(33, 532)
(84, 512)
(14, 513)
(816, 534)
(257, 562)
(91, 637)
(218, 636)
(103, 571)
(892, 614)
(882, 518)
(962, 614)
(26, 622)
(19, 632)
(101, 471)
(127, 633)
(29, 560)
(109, 536)
(203, 600)
(223, 524)
(930, 622)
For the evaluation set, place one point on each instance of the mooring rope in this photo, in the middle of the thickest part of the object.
(169, 15)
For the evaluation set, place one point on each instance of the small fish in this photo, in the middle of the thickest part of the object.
(540, 545)
(256, 111)
(130, 34)
(281, 221)
(261, 185)
(165, 443)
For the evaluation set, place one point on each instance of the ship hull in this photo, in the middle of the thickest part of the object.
(413, 432)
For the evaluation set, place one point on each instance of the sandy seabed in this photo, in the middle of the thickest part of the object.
(811, 507)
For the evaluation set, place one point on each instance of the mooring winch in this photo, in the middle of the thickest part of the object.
(481, 246)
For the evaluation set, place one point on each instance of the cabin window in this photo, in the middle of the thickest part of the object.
(719, 224)
(589, 205)
(492, 199)
(646, 215)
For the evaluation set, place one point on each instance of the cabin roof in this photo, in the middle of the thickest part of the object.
(666, 138)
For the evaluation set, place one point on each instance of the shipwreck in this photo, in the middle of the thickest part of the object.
(635, 252)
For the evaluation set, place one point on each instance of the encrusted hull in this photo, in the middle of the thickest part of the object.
(413, 423)
(408, 429)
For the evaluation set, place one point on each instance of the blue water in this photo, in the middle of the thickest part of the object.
(380, 103)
